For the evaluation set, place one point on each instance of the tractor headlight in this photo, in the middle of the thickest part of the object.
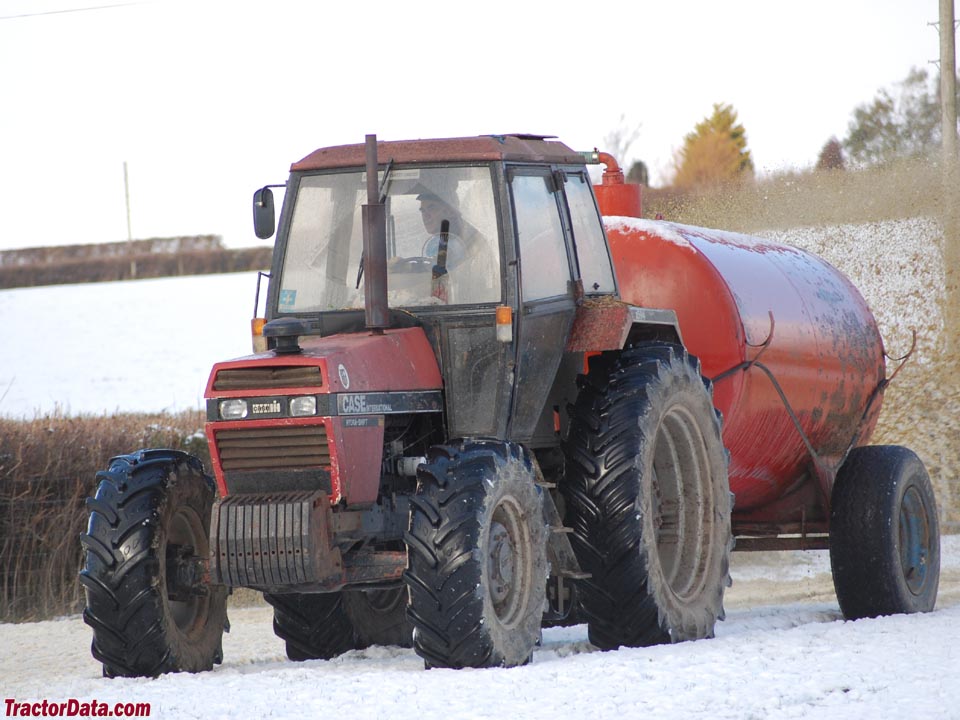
(303, 406)
(233, 409)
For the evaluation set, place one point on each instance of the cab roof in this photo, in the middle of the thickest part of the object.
(516, 148)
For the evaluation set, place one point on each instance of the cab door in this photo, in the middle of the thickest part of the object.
(547, 298)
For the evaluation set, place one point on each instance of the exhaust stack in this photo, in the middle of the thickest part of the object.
(374, 248)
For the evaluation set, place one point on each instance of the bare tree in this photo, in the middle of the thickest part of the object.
(618, 141)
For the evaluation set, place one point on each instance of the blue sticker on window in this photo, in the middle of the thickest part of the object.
(288, 299)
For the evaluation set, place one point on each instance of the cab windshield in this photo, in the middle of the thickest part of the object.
(442, 244)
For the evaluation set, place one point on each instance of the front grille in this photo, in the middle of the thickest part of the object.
(273, 447)
(267, 377)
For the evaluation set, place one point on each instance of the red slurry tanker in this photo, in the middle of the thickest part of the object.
(487, 397)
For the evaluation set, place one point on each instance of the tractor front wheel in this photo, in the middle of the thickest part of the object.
(149, 600)
(477, 556)
(884, 534)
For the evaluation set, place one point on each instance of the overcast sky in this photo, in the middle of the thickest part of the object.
(207, 100)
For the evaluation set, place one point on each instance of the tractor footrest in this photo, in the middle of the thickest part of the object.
(273, 540)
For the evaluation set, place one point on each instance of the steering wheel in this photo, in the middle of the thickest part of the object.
(456, 249)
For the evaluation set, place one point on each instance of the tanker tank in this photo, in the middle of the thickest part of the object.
(794, 353)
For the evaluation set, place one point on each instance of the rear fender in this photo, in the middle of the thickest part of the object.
(609, 324)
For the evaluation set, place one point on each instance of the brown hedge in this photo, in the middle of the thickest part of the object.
(103, 269)
(47, 470)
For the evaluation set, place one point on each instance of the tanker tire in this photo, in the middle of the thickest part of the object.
(315, 626)
(884, 534)
(379, 617)
(648, 498)
(477, 565)
(148, 507)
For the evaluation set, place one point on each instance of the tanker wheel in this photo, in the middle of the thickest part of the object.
(477, 565)
(648, 498)
(379, 617)
(147, 545)
(314, 626)
(884, 534)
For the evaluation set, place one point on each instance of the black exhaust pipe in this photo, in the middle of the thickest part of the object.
(374, 248)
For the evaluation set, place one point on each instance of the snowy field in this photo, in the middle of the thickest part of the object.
(783, 652)
(148, 345)
(141, 346)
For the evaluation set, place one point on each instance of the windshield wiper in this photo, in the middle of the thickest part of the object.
(383, 196)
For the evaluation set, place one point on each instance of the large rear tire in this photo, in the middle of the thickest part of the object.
(321, 626)
(379, 617)
(648, 498)
(477, 566)
(146, 544)
(314, 626)
(884, 534)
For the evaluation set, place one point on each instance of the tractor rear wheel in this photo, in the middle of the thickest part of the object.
(477, 556)
(379, 617)
(648, 498)
(147, 543)
(321, 626)
(884, 534)
(315, 626)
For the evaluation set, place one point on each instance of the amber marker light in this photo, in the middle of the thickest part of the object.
(256, 332)
(505, 323)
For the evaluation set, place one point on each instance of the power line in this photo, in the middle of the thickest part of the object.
(73, 10)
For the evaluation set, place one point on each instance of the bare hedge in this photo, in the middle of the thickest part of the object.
(104, 269)
(47, 470)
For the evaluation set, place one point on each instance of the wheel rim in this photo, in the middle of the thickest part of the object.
(683, 503)
(914, 540)
(185, 530)
(508, 562)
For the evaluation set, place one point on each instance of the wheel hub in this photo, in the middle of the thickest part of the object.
(681, 502)
(186, 593)
(508, 562)
(914, 540)
(502, 562)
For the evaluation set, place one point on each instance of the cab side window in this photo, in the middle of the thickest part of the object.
(595, 269)
(544, 267)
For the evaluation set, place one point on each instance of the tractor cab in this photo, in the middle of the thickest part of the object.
(490, 245)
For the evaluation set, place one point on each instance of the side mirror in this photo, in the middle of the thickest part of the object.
(264, 222)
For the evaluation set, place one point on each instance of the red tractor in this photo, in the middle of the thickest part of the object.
(491, 398)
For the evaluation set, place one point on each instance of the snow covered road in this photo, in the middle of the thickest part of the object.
(783, 652)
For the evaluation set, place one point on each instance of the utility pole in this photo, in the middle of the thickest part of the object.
(948, 84)
(950, 213)
(126, 193)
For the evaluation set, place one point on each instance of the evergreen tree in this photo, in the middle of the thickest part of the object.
(831, 156)
(715, 152)
(638, 173)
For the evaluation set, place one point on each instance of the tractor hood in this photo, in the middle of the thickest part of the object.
(315, 418)
(399, 360)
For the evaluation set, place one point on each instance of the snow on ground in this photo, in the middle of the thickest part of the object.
(140, 346)
(786, 655)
